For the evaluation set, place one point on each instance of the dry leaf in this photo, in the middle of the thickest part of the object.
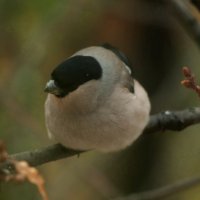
(32, 175)
(23, 171)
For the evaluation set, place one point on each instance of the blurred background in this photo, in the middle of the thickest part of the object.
(37, 35)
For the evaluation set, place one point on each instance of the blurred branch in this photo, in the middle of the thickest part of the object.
(165, 191)
(196, 3)
(168, 120)
(184, 12)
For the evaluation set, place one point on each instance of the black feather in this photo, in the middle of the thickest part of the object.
(75, 71)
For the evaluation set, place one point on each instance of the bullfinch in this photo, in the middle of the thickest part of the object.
(94, 102)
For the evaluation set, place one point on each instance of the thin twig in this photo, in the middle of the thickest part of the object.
(189, 81)
(168, 120)
(165, 191)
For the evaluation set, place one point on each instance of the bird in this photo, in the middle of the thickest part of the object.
(94, 102)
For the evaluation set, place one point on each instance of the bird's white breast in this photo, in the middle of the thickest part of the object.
(111, 126)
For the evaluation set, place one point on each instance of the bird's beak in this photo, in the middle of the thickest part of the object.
(52, 88)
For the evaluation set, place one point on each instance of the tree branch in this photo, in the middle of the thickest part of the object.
(184, 13)
(165, 191)
(168, 120)
(173, 120)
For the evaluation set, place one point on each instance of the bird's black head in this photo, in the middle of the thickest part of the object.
(73, 72)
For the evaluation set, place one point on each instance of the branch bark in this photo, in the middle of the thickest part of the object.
(173, 120)
(168, 120)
